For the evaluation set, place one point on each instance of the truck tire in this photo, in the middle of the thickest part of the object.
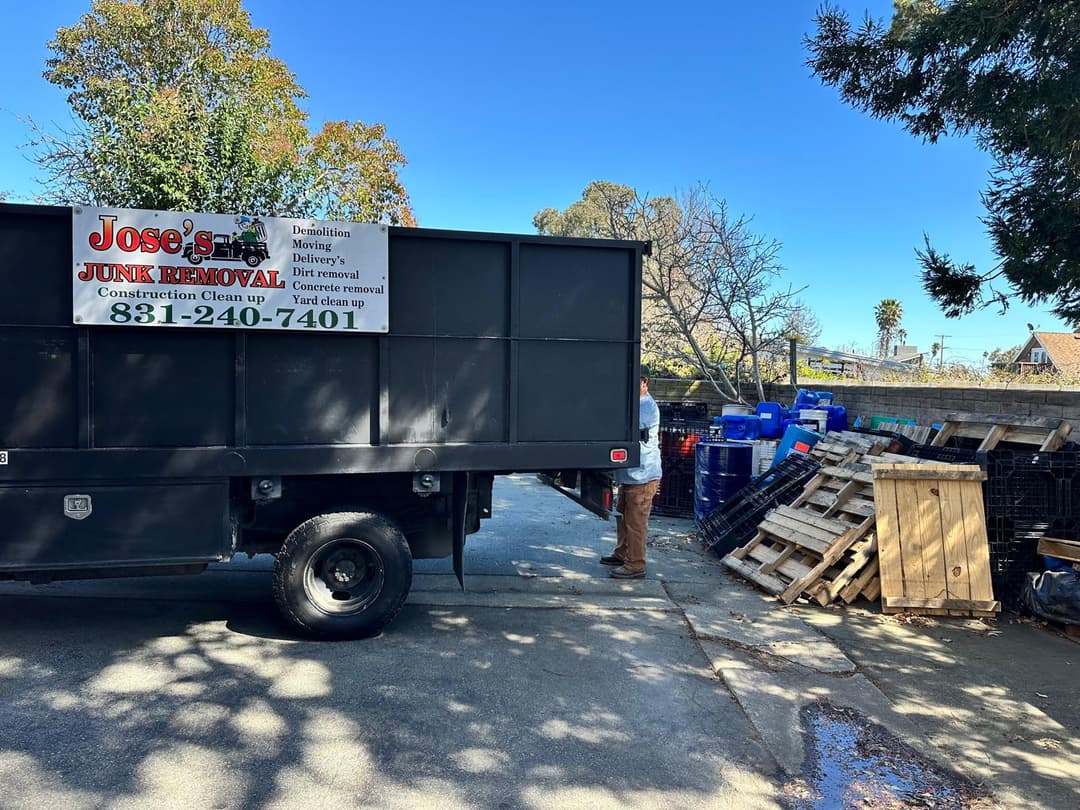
(252, 259)
(343, 575)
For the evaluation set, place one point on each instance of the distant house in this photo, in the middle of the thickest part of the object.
(1048, 352)
(903, 353)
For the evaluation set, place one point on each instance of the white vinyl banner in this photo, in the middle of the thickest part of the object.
(159, 268)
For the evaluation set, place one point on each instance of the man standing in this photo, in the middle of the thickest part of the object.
(637, 487)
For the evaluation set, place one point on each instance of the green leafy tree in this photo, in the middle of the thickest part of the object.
(180, 106)
(1006, 72)
(887, 313)
(1001, 359)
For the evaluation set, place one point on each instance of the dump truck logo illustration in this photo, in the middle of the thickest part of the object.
(246, 244)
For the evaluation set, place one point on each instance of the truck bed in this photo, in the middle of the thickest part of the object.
(504, 353)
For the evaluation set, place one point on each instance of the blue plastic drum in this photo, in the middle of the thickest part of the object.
(721, 470)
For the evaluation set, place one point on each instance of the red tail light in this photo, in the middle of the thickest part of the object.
(619, 456)
(607, 499)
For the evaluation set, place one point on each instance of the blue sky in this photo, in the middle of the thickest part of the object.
(503, 109)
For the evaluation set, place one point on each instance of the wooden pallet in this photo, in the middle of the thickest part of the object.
(932, 546)
(846, 494)
(856, 575)
(792, 550)
(834, 453)
(1045, 433)
(871, 443)
(917, 433)
(818, 545)
(1068, 550)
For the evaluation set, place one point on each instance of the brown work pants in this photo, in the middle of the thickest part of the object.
(632, 524)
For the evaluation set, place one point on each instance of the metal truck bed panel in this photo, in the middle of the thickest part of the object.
(503, 353)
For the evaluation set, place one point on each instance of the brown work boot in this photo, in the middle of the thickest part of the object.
(611, 560)
(622, 572)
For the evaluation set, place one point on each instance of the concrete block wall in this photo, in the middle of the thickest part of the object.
(926, 403)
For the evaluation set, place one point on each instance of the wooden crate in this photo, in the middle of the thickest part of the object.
(931, 534)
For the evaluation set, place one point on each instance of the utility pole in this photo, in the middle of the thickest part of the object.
(941, 351)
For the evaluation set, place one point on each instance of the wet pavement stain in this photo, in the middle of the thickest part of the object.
(853, 763)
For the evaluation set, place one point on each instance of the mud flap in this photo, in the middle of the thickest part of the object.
(458, 517)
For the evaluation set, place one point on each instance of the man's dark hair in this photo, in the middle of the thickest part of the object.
(645, 378)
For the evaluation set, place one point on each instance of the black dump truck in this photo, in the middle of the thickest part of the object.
(153, 422)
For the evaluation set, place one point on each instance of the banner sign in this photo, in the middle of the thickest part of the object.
(159, 268)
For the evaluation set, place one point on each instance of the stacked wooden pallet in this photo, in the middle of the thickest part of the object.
(825, 546)
(821, 546)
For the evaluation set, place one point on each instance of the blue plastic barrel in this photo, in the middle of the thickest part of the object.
(796, 439)
(721, 470)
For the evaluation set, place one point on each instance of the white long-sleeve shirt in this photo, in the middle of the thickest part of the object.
(650, 469)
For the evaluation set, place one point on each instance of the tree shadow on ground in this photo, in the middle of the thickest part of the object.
(999, 698)
(137, 702)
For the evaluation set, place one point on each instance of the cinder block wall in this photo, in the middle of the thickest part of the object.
(926, 403)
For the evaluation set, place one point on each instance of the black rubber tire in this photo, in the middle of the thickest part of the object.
(252, 259)
(194, 258)
(306, 540)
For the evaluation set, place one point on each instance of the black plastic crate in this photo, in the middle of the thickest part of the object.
(675, 495)
(676, 412)
(1014, 551)
(1033, 485)
(948, 455)
(734, 522)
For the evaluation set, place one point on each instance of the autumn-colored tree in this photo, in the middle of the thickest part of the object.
(180, 106)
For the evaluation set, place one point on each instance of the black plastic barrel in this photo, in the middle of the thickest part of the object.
(721, 470)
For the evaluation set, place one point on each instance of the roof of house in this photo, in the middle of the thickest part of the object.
(831, 354)
(1063, 348)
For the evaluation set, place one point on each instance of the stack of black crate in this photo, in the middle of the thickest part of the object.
(1029, 495)
(682, 426)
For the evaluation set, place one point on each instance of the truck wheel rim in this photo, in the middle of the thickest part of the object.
(343, 576)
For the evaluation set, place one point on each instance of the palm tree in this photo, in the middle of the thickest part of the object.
(888, 313)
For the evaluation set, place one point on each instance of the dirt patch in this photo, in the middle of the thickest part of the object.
(853, 763)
